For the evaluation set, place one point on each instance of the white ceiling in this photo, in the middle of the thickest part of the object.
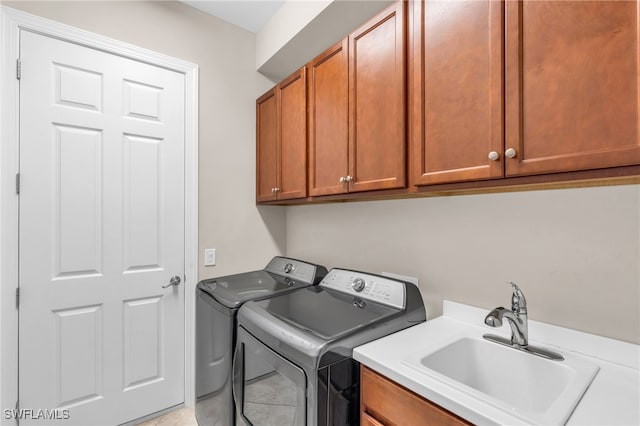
(248, 14)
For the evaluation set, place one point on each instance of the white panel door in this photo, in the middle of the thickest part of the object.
(101, 231)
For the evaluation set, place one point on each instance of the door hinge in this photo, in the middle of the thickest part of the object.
(18, 183)
(18, 298)
(18, 68)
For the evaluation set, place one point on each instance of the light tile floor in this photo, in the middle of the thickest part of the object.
(270, 398)
(181, 417)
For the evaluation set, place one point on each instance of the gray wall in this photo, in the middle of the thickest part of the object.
(574, 252)
(245, 236)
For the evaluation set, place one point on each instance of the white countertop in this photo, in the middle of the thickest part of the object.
(613, 398)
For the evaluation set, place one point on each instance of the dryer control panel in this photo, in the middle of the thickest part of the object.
(366, 286)
(295, 269)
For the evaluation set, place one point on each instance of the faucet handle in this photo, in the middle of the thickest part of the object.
(518, 302)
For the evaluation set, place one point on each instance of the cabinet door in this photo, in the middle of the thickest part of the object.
(377, 148)
(266, 146)
(571, 85)
(292, 146)
(328, 121)
(455, 92)
(367, 420)
(383, 399)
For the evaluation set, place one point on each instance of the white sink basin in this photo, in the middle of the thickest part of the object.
(532, 388)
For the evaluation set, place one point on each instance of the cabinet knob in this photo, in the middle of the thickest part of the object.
(510, 153)
(494, 156)
(349, 178)
(273, 190)
(276, 189)
(342, 179)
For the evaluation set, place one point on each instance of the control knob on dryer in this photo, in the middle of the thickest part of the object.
(358, 284)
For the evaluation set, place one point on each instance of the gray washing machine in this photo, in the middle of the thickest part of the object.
(217, 302)
(293, 362)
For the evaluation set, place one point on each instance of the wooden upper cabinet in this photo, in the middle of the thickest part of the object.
(377, 146)
(357, 109)
(292, 153)
(281, 140)
(329, 120)
(455, 90)
(483, 89)
(266, 146)
(571, 85)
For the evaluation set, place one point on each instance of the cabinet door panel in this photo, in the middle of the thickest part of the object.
(292, 167)
(571, 92)
(266, 146)
(377, 97)
(328, 121)
(367, 420)
(456, 90)
(387, 402)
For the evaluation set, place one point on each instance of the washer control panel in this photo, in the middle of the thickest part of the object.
(365, 286)
(294, 269)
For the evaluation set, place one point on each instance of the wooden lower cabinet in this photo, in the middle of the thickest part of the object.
(383, 402)
(367, 420)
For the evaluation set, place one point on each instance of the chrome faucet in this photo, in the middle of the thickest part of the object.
(517, 318)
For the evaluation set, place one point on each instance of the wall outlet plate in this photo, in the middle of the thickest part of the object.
(210, 257)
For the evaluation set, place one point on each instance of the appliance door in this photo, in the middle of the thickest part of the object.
(268, 389)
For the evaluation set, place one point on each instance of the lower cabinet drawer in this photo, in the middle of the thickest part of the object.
(385, 403)
(367, 420)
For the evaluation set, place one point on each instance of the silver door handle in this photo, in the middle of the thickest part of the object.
(173, 281)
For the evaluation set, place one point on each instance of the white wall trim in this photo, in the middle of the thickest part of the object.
(11, 22)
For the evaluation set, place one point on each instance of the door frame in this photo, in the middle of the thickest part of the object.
(11, 23)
